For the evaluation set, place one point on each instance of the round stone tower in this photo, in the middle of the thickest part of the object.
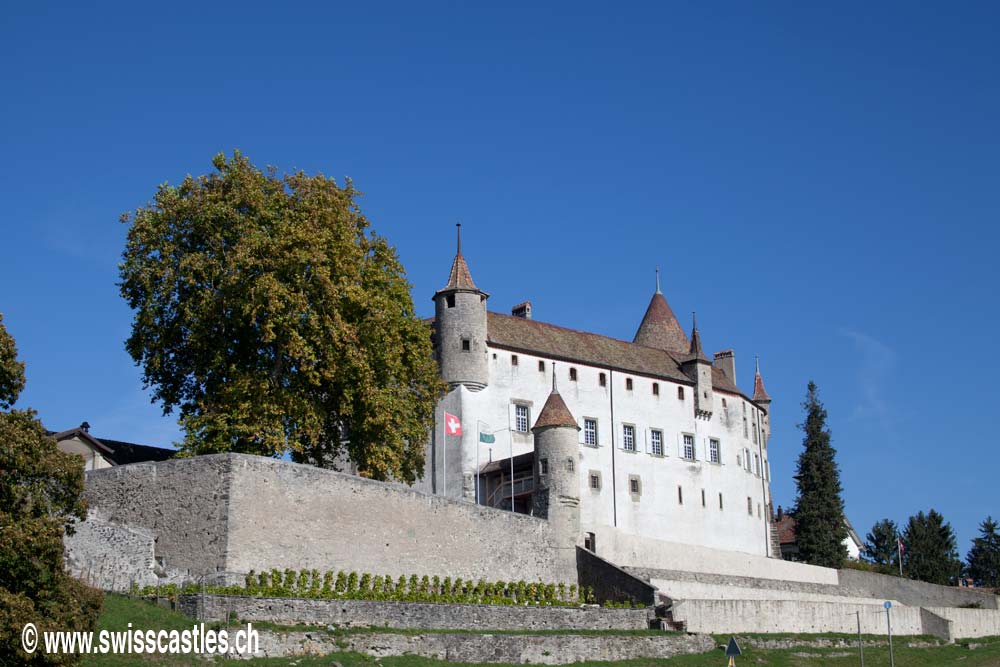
(557, 482)
(460, 327)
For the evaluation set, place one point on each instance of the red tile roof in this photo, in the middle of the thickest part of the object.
(555, 342)
(460, 277)
(660, 328)
(555, 413)
(759, 393)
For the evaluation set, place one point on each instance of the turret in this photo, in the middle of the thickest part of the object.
(761, 398)
(557, 483)
(660, 328)
(460, 327)
(697, 367)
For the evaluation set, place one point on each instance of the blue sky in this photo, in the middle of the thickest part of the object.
(820, 184)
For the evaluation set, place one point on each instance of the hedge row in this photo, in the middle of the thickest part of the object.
(354, 586)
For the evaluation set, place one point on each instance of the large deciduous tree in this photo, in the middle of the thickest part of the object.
(881, 544)
(40, 497)
(274, 320)
(983, 560)
(931, 554)
(820, 529)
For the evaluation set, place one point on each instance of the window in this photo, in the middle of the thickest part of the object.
(755, 433)
(541, 366)
(570, 465)
(513, 360)
(759, 511)
(656, 389)
(720, 501)
(628, 437)
(543, 467)
(656, 442)
(466, 345)
(713, 451)
(680, 495)
(688, 451)
(572, 375)
(450, 300)
(703, 498)
(590, 432)
(595, 480)
(680, 393)
(521, 418)
(723, 403)
(749, 505)
(756, 464)
(590, 542)
(602, 379)
(628, 384)
(746, 459)
(634, 486)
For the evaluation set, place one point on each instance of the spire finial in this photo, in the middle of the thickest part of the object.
(756, 362)
(458, 227)
(554, 389)
(694, 320)
(658, 281)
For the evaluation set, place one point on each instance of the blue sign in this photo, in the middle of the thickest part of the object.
(887, 605)
(733, 649)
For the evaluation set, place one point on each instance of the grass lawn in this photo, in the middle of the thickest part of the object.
(118, 612)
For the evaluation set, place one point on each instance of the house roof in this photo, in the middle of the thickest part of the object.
(759, 393)
(660, 328)
(460, 277)
(549, 340)
(521, 461)
(117, 451)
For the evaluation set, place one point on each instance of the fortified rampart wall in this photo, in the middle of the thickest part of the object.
(232, 513)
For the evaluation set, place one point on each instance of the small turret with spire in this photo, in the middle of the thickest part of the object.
(698, 367)
(762, 398)
(557, 484)
(460, 326)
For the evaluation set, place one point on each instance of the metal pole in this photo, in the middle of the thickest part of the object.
(476, 480)
(888, 621)
(861, 648)
(444, 452)
(510, 439)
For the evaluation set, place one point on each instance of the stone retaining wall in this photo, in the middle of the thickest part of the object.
(410, 615)
(487, 648)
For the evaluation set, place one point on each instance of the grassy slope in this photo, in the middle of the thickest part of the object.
(118, 612)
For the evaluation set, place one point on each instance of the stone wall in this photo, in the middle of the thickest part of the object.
(488, 648)
(110, 556)
(182, 503)
(967, 623)
(795, 616)
(610, 582)
(410, 615)
(910, 592)
(283, 515)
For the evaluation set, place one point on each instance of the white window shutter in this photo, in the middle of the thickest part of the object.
(645, 434)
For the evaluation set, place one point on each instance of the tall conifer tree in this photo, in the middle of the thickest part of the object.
(931, 550)
(984, 556)
(819, 510)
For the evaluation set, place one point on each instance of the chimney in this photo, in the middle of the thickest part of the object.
(522, 310)
(726, 360)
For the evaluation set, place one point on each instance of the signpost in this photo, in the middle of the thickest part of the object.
(888, 621)
(733, 650)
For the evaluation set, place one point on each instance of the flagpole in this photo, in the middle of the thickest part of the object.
(478, 444)
(444, 453)
(899, 550)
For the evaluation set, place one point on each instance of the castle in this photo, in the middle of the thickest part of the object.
(648, 439)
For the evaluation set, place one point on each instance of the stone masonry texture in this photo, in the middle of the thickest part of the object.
(410, 615)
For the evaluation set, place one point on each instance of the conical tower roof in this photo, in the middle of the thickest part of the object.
(460, 278)
(660, 328)
(695, 351)
(555, 412)
(760, 394)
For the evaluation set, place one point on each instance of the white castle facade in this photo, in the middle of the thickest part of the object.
(666, 446)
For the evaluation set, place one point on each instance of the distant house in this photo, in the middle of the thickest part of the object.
(785, 524)
(100, 453)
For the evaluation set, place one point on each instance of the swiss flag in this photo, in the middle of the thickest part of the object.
(452, 425)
